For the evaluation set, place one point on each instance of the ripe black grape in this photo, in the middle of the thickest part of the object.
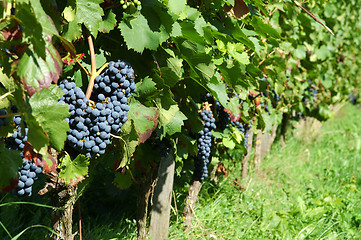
(92, 121)
(204, 144)
(28, 173)
(223, 117)
(18, 139)
(224, 121)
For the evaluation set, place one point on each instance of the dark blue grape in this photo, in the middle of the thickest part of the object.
(204, 140)
(110, 93)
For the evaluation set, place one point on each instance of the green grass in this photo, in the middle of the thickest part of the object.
(310, 189)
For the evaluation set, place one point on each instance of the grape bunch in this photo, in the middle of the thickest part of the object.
(204, 143)
(243, 128)
(276, 98)
(224, 121)
(18, 139)
(353, 98)
(126, 3)
(223, 117)
(28, 173)
(163, 147)
(113, 88)
(246, 135)
(3, 121)
(92, 121)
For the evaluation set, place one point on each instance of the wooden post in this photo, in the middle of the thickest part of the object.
(257, 152)
(145, 188)
(161, 200)
(190, 203)
(284, 122)
(62, 220)
(245, 158)
(267, 141)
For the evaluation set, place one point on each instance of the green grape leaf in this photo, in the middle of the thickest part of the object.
(236, 50)
(50, 114)
(90, 13)
(73, 172)
(239, 34)
(167, 108)
(36, 135)
(68, 46)
(109, 22)
(122, 180)
(170, 78)
(230, 2)
(72, 31)
(10, 161)
(218, 90)
(186, 146)
(264, 28)
(175, 125)
(148, 29)
(32, 29)
(177, 6)
(37, 73)
(145, 119)
(203, 66)
(221, 46)
(190, 32)
(69, 11)
(129, 139)
(300, 52)
(45, 21)
(175, 64)
(322, 53)
(199, 24)
(146, 88)
(228, 143)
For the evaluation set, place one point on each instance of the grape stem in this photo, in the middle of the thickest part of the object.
(131, 174)
(9, 115)
(314, 17)
(101, 69)
(86, 71)
(5, 95)
(93, 67)
(268, 55)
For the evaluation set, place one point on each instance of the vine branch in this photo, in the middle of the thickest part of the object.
(86, 71)
(314, 17)
(93, 67)
(10, 115)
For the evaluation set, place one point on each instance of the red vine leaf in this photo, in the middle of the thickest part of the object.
(48, 162)
(37, 73)
(145, 120)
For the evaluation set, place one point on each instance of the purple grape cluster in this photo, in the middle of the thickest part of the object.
(276, 97)
(243, 128)
(223, 117)
(204, 144)
(113, 88)
(18, 139)
(92, 121)
(28, 173)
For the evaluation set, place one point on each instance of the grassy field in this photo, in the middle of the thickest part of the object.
(310, 189)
